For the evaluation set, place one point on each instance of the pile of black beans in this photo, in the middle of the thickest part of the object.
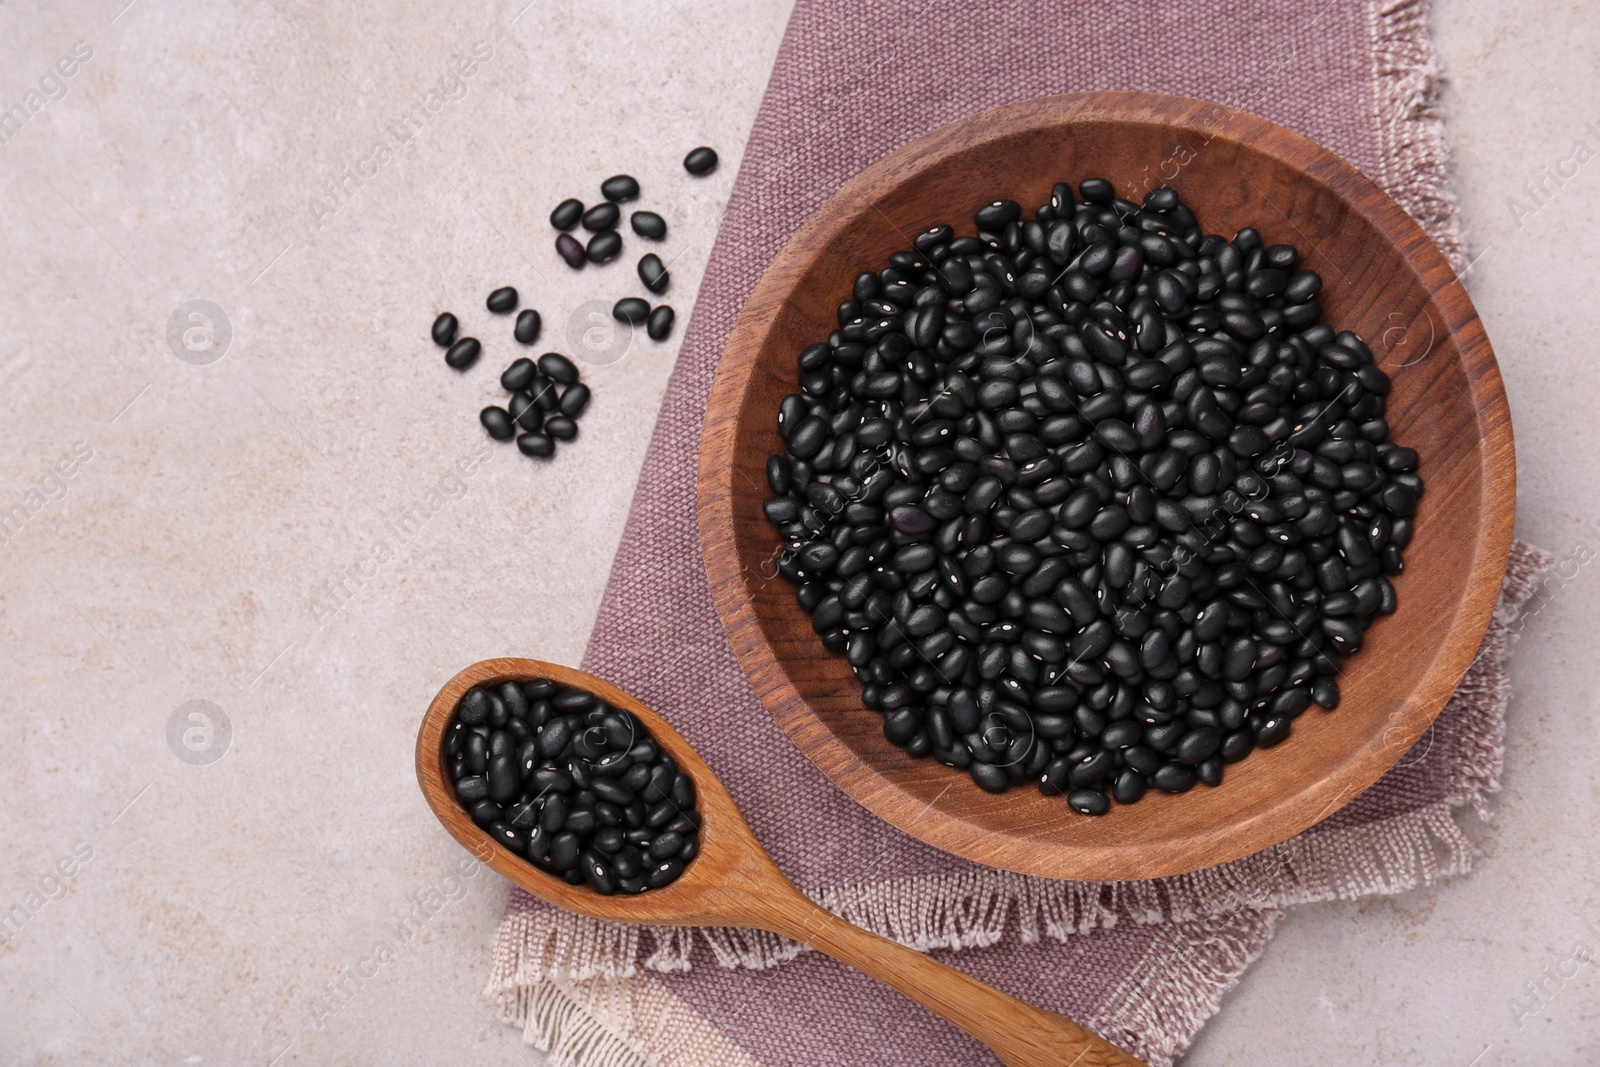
(601, 220)
(546, 397)
(578, 787)
(1091, 498)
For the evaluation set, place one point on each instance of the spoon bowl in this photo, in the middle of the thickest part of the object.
(712, 888)
(733, 882)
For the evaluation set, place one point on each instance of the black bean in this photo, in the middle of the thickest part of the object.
(566, 214)
(603, 216)
(995, 216)
(536, 444)
(574, 398)
(473, 709)
(683, 791)
(502, 301)
(1270, 731)
(1089, 802)
(653, 273)
(527, 329)
(620, 187)
(525, 411)
(561, 427)
(665, 873)
(604, 246)
(464, 353)
(558, 368)
(571, 250)
(553, 813)
(597, 872)
(498, 422)
(1173, 778)
(989, 777)
(504, 780)
(666, 846)
(659, 326)
(518, 376)
(563, 852)
(648, 224)
(612, 791)
(444, 329)
(1198, 745)
(631, 310)
(700, 161)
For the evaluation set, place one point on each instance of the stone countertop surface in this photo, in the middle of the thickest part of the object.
(253, 543)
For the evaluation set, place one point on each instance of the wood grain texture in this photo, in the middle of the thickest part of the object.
(733, 882)
(1384, 279)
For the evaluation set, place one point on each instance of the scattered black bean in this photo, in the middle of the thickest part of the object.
(618, 188)
(525, 411)
(700, 161)
(558, 368)
(574, 398)
(653, 273)
(536, 444)
(503, 300)
(1093, 498)
(604, 246)
(603, 216)
(631, 310)
(534, 764)
(571, 250)
(528, 326)
(567, 214)
(498, 422)
(464, 353)
(659, 325)
(518, 376)
(444, 329)
(648, 224)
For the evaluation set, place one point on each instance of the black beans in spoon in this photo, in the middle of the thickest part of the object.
(575, 786)
(1092, 497)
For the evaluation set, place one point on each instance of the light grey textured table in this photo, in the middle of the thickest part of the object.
(305, 529)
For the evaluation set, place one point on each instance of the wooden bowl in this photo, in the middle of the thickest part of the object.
(1384, 279)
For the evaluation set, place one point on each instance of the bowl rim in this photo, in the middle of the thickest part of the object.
(1097, 861)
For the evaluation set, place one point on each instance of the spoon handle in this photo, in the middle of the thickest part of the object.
(1019, 1033)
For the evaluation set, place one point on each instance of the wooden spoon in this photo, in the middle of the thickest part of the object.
(733, 882)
